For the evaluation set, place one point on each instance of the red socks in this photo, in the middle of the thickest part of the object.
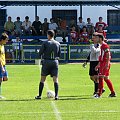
(100, 87)
(110, 85)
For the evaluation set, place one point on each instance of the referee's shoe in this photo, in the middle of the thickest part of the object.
(38, 97)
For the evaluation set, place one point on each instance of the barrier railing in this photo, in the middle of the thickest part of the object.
(20, 52)
(69, 53)
(28, 53)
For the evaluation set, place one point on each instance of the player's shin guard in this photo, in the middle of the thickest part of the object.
(96, 87)
(100, 86)
(56, 89)
(41, 85)
(110, 85)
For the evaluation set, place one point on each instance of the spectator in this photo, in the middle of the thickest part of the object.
(18, 27)
(45, 26)
(57, 21)
(104, 25)
(9, 26)
(84, 36)
(53, 25)
(100, 30)
(17, 50)
(72, 22)
(37, 27)
(80, 24)
(73, 34)
(26, 25)
(63, 30)
(90, 27)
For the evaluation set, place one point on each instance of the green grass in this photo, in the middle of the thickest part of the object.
(75, 91)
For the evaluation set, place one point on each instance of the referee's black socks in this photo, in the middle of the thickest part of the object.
(96, 87)
(56, 89)
(41, 85)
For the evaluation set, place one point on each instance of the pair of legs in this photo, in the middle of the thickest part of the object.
(41, 86)
(94, 75)
(104, 76)
(49, 67)
(5, 78)
(109, 84)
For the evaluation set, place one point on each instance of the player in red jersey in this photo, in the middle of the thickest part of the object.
(104, 67)
(104, 25)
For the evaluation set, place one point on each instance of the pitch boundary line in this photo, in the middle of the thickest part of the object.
(104, 111)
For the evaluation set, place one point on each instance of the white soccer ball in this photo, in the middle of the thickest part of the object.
(50, 94)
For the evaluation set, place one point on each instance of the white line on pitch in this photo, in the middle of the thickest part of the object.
(72, 112)
(57, 113)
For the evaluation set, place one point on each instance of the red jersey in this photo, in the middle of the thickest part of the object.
(103, 32)
(104, 50)
(74, 34)
(101, 23)
(84, 35)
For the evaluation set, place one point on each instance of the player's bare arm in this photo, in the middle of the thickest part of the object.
(107, 58)
(3, 70)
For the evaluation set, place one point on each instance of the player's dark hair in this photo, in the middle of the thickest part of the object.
(51, 33)
(101, 36)
(85, 28)
(93, 34)
(51, 19)
(9, 16)
(18, 18)
(88, 18)
(3, 36)
(100, 17)
(26, 17)
(80, 18)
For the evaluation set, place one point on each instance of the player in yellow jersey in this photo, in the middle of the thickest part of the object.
(3, 72)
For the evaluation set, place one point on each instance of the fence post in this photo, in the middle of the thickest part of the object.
(67, 56)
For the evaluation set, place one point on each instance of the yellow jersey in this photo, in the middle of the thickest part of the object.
(2, 55)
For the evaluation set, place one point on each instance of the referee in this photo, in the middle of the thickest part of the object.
(50, 53)
(94, 60)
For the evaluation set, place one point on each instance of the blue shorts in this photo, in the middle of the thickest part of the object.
(5, 74)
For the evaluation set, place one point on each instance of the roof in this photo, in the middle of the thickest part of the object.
(58, 2)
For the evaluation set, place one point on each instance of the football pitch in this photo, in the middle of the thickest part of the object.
(75, 95)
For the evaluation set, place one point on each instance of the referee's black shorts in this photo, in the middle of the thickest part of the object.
(49, 67)
(92, 71)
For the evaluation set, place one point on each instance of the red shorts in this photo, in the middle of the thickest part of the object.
(104, 71)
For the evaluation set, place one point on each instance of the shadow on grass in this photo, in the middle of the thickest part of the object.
(81, 97)
(15, 100)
